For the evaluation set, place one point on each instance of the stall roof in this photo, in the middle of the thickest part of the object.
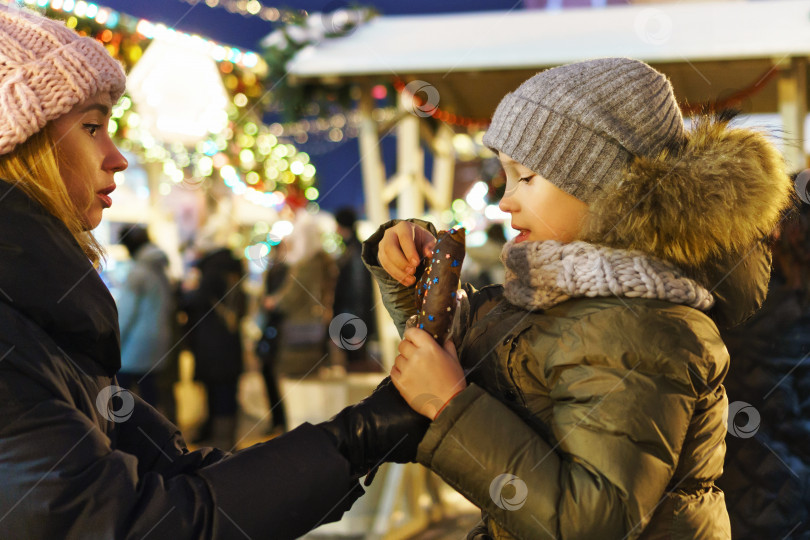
(528, 38)
(708, 49)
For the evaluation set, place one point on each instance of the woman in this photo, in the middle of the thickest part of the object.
(304, 301)
(214, 310)
(585, 397)
(80, 457)
(267, 347)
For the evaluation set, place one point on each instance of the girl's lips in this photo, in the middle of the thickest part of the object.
(522, 236)
(105, 200)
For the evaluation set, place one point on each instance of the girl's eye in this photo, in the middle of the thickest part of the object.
(92, 128)
(527, 179)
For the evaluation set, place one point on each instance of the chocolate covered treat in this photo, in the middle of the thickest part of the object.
(436, 292)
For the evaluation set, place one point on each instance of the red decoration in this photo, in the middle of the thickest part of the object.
(444, 116)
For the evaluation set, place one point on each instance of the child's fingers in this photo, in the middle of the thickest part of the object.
(426, 240)
(418, 337)
(394, 262)
(407, 241)
(406, 348)
(399, 250)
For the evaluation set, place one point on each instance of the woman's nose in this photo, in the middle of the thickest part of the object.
(115, 160)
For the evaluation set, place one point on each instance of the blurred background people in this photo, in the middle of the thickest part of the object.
(269, 344)
(354, 295)
(215, 306)
(146, 309)
(766, 476)
(304, 301)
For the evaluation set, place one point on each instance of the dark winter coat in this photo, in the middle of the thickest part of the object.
(767, 469)
(610, 412)
(353, 292)
(267, 346)
(77, 463)
(215, 310)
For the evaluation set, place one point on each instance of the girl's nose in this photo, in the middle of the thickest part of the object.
(115, 160)
(507, 203)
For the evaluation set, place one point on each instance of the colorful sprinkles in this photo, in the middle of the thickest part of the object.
(435, 310)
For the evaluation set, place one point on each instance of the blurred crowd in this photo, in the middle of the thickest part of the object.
(281, 328)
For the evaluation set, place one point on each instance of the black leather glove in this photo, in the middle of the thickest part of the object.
(378, 429)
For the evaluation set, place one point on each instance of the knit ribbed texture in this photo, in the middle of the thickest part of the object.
(540, 275)
(46, 69)
(578, 125)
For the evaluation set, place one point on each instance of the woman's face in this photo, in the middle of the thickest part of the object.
(87, 157)
(539, 209)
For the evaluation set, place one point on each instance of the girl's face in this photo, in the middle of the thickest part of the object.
(87, 157)
(539, 209)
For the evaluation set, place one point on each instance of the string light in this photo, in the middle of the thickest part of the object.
(241, 154)
(82, 9)
(246, 8)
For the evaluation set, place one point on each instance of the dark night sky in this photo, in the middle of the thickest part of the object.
(234, 29)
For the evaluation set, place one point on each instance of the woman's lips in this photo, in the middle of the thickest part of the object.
(106, 201)
(104, 195)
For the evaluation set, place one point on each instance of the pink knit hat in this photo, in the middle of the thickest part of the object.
(46, 69)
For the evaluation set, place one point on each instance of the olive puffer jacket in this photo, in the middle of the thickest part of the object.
(607, 412)
(606, 417)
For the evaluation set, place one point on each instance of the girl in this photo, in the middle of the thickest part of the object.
(79, 456)
(583, 397)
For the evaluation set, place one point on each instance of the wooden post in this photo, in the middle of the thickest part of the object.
(371, 163)
(792, 90)
(444, 165)
(410, 167)
(373, 172)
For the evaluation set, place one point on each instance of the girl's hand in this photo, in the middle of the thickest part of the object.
(427, 375)
(401, 249)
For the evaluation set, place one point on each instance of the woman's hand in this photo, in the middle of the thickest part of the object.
(401, 249)
(427, 375)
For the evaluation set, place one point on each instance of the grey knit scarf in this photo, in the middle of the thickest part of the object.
(540, 275)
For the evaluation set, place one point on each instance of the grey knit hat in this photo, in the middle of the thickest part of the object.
(578, 125)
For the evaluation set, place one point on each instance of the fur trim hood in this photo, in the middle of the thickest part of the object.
(707, 208)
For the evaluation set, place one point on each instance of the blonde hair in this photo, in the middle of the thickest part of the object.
(33, 168)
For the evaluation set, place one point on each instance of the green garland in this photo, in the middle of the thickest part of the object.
(299, 30)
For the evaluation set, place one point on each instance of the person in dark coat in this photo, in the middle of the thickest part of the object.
(268, 346)
(353, 296)
(304, 301)
(81, 457)
(215, 309)
(766, 474)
